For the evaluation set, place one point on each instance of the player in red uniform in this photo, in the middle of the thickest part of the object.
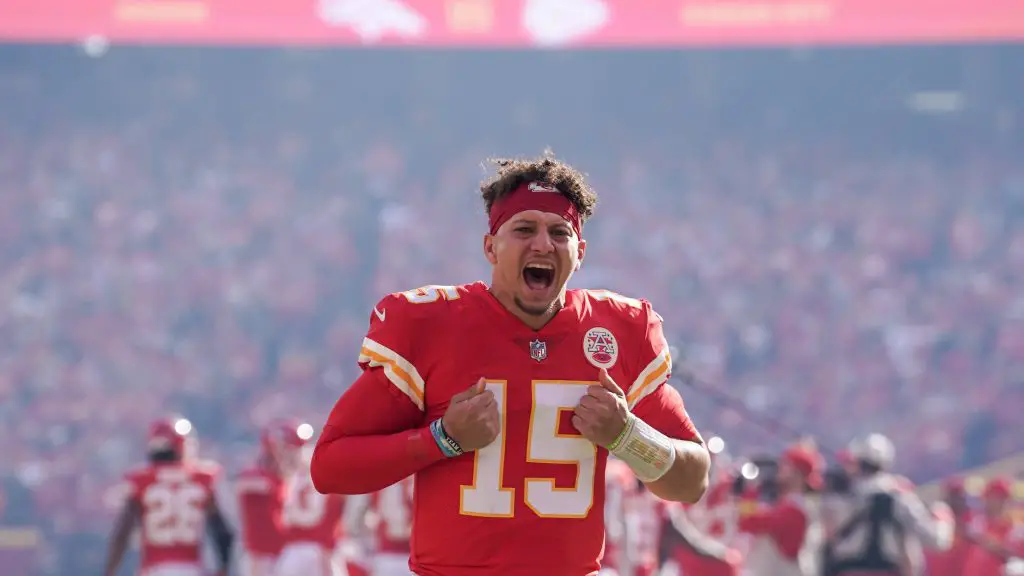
(950, 562)
(995, 538)
(312, 528)
(170, 499)
(504, 400)
(261, 490)
(636, 523)
(619, 483)
(383, 521)
(703, 537)
(392, 509)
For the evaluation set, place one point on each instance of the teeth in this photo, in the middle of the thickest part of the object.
(541, 265)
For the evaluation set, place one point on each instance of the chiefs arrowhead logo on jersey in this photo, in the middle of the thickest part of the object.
(600, 347)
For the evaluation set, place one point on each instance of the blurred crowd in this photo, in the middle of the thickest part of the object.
(201, 239)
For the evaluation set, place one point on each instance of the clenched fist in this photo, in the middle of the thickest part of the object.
(602, 413)
(472, 418)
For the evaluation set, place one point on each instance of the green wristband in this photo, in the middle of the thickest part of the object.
(625, 430)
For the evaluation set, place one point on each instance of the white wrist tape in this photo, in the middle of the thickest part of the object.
(649, 453)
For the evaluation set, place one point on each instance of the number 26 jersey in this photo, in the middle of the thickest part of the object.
(172, 499)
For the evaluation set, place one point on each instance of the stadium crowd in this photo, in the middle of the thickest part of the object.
(161, 249)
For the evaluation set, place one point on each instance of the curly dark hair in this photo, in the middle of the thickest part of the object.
(514, 172)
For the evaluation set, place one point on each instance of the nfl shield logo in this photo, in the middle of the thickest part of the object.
(538, 350)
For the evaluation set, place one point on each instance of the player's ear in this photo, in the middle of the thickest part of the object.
(489, 252)
(581, 251)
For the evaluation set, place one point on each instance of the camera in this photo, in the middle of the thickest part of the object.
(837, 481)
(763, 471)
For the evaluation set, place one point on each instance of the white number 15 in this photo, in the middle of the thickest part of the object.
(486, 496)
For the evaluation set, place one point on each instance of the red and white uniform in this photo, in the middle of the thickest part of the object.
(715, 517)
(645, 519)
(312, 527)
(260, 500)
(951, 562)
(532, 501)
(619, 481)
(788, 538)
(992, 534)
(392, 513)
(635, 519)
(173, 498)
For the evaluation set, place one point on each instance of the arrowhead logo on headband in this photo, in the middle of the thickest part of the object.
(548, 199)
(542, 187)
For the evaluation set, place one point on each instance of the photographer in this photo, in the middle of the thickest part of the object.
(887, 523)
(787, 533)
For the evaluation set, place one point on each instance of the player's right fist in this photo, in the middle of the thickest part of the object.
(472, 417)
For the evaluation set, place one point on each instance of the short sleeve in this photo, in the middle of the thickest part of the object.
(653, 358)
(388, 346)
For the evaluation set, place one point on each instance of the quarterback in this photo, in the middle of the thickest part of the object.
(504, 400)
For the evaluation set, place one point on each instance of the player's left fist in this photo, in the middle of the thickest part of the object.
(602, 412)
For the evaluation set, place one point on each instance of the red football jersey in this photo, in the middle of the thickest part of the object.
(998, 534)
(532, 502)
(392, 509)
(309, 516)
(640, 516)
(645, 519)
(716, 516)
(951, 562)
(173, 498)
(260, 500)
(620, 482)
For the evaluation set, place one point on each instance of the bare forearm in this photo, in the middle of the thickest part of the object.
(114, 555)
(120, 538)
(687, 479)
(363, 464)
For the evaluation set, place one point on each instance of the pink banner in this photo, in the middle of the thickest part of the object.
(514, 23)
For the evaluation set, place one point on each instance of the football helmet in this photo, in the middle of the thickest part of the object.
(283, 441)
(174, 435)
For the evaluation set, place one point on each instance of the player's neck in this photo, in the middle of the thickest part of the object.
(533, 321)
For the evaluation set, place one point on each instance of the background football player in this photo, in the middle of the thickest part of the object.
(171, 501)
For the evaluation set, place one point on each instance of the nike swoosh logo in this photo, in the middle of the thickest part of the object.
(380, 314)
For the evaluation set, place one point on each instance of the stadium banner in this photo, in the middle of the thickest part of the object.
(513, 23)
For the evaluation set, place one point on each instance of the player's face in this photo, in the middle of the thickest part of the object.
(533, 255)
(287, 458)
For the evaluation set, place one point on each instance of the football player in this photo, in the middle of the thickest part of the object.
(388, 513)
(171, 500)
(261, 492)
(312, 528)
(505, 399)
(635, 523)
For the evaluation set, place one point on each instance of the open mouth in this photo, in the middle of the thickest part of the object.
(539, 276)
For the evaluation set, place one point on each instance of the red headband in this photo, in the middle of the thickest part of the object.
(534, 196)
